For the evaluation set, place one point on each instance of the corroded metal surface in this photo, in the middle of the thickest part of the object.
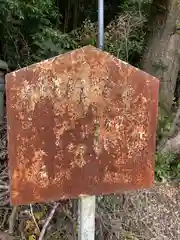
(80, 123)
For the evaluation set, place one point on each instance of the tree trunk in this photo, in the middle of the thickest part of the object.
(162, 55)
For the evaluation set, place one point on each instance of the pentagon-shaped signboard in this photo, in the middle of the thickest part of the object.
(80, 123)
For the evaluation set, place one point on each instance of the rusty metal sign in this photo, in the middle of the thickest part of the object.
(80, 123)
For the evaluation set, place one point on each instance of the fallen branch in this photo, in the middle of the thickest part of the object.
(5, 217)
(48, 221)
(12, 220)
(4, 187)
(71, 220)
(34, 219)
(4, 194)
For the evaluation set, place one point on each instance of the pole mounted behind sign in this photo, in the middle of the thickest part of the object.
(87, 204)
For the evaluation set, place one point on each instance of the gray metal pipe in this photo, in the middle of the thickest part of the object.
(86, 206)
(101, 24)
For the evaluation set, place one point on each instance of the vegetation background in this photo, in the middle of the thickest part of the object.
(145, 33)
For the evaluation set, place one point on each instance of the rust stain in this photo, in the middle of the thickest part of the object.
(81, 123)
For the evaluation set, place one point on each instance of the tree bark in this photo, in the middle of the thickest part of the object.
(172, 145)
(171, 142)
(162, 56)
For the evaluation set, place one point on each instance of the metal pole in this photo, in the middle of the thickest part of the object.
(87, 205)
(86, 213)
(101, 24)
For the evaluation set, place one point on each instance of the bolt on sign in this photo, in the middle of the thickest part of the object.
(82, 123)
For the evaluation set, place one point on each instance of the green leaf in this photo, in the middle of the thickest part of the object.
(32, 237)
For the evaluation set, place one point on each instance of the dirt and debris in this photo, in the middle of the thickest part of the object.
(151, 214)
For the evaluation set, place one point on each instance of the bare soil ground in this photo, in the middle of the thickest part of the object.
(150, 214)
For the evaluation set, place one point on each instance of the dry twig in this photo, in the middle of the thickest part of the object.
(71, 220)
(5, 217)
(48, 221)
(34, 219)
(12, 220)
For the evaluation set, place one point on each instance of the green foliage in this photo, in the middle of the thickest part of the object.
(164, 122)
(29, 32)
(141, 7)
(167, 167)
(124, 35)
